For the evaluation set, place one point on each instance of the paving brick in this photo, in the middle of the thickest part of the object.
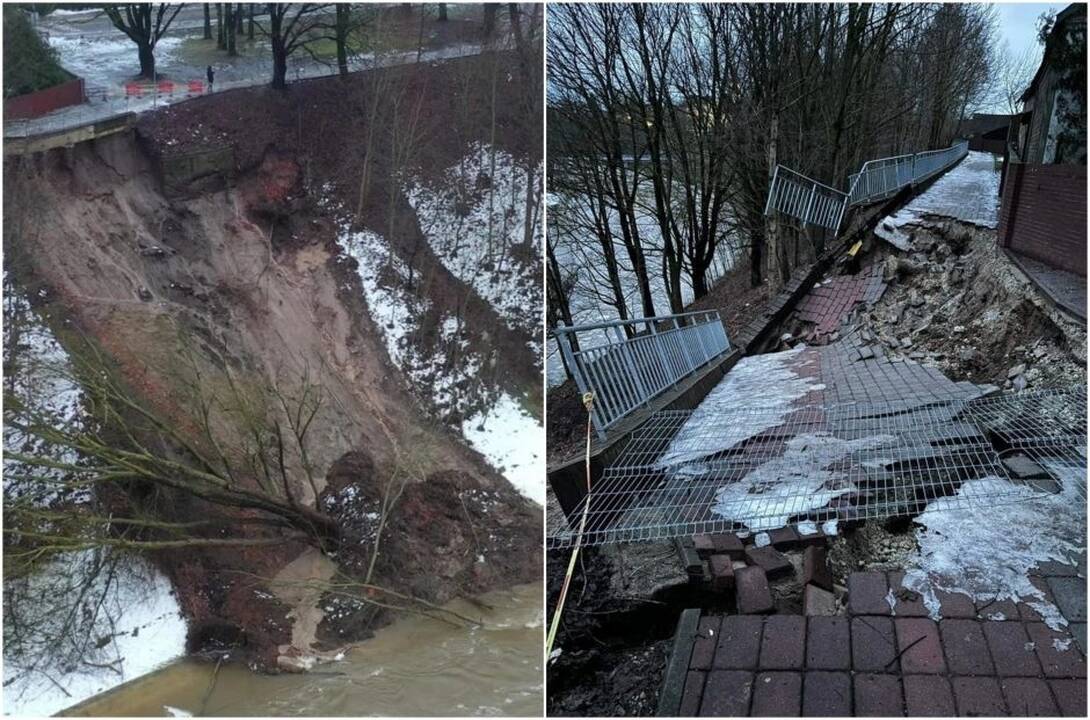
(980, 696)
(783, 645)
(826, 694)
(707, 636)
(739, 644)
(752, 592)
(1055, 661)
(955, 605)
(770, 560)
(828, 643)
(908, 603)
(878, 696)
(694, 564)
(690, 697)
(966, 649)
(997, 610)
(1052, 568)
(730, 544)
(722, 571)
(928, 696)
(784, 538)
(703, 544)
(1078, 631)
(1011, 649)
(815, 569)
(1070, 596)
(1070, 695)
(817, 602)
(867, 593)
(1029, 697)
(777, 694)
(874, 648)
(919, 645)
(727, 693)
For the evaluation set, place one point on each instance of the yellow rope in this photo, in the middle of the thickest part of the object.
(588, 402)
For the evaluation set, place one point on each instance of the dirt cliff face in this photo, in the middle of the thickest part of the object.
(240, 270)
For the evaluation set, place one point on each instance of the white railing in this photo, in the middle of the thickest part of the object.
(642, 359)
(805, 199)
(884, 178)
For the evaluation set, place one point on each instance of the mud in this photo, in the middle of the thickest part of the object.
(247, 277)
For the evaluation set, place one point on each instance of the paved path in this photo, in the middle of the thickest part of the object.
(874, 660)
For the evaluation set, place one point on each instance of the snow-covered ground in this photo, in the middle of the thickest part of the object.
(987, 552)
(757, 394)
(473, 216)
(129, 611)
(506, 434)
(969, 192)
(133, 614)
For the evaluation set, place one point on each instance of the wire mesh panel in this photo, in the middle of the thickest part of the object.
(761, 469)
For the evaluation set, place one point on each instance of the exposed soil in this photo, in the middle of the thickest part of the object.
(957, 302)
(247, 276)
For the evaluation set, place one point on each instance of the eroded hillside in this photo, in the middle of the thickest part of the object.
(286, 260)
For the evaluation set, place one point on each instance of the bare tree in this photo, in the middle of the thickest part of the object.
(290, 27)
(144, 24)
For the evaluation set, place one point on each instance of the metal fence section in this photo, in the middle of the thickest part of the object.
(756, 469)
(805, 199)
(640, 359)
(811, 202)
(881, 179)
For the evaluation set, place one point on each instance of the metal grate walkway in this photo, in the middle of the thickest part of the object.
(765, 468)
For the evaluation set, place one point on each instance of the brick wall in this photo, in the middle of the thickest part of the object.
(1043, 214)
(39, 103)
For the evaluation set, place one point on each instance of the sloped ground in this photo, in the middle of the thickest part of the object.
(253, 273)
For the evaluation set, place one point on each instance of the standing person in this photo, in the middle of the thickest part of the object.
(211, 78)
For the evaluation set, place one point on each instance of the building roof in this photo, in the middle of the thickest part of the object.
(981, 123)
(1074, 10)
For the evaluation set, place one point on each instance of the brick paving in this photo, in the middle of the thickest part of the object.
(827, 305)
(877, 662)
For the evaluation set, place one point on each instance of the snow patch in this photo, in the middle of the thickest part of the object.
(511, 439)
(987, 552)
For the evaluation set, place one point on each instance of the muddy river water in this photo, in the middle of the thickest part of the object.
(417, 666)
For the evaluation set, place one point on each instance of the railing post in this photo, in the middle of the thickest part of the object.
(630, 361)
(810, 203)
(580, 380)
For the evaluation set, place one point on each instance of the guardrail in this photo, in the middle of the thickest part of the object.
(884, 178)
(814, 203)
(640, 360)
(794, 194)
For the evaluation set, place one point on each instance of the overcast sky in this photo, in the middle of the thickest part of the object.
(1018, 25)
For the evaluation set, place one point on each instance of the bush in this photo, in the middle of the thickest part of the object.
(29, 63)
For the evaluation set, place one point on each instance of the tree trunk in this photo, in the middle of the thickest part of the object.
(207, 22)
(147, 60)
(231, 10)
(489, 19)
(238, 18)
(772, 225)
(250, 32)
(442, 12)
(280, 64)
(221, 38)
(342, 39)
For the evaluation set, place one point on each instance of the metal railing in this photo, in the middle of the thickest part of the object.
(798, 196)
(814, 203)
(640, 359)
(881, 179)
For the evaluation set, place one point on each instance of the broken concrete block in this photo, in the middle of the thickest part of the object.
(818, 601)
(770, 560)
(752, 592)
(1016, 371)
(815, 570)
(722, 571)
